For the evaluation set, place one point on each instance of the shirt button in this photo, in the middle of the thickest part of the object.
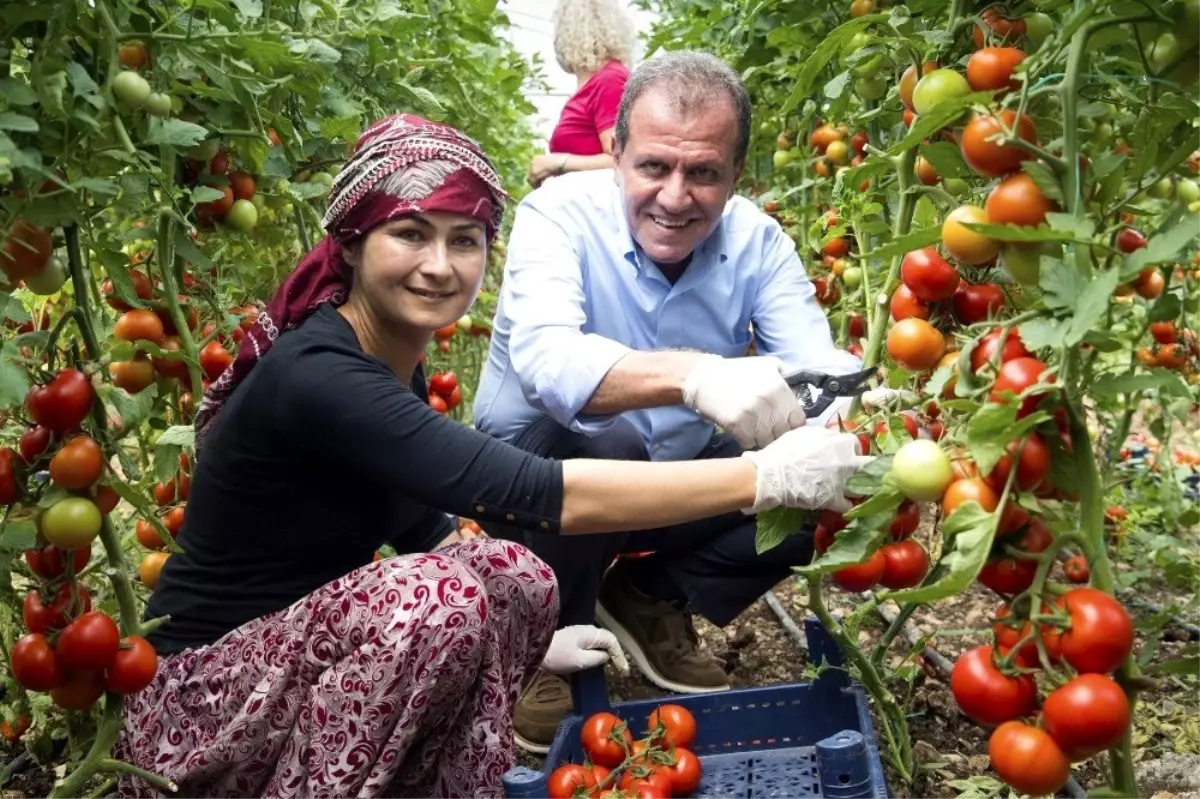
(510, 517)
(545, 525)
(479, 509)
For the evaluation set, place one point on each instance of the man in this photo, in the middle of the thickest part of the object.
(624, 318)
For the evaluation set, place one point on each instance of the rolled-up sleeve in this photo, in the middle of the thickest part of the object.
(789, 323)
(558, 365)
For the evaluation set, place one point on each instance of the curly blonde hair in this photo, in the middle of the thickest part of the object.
(588, 33)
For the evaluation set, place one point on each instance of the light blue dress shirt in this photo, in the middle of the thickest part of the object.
(579, 294)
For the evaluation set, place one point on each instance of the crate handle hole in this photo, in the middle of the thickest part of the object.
(844, 778)
(843, 739)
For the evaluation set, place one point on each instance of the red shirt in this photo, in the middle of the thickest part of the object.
(590, 111)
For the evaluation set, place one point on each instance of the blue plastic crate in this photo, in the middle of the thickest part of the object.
(811, 739)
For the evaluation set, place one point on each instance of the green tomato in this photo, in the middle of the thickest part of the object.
(335, 170)
(321, 177)
(870, 88)
(49, 280)
(766, 127)
(921, 470)
(1102, 134)
(242, 216)
(205, 151)
(1186, 189)
(781, 158)
(858, 41)
(868, 68)
(260, 202)
(158, 105)
(176, 104)
(957, 187)
(852, 277)
(1023, 263)
(465, 323)
(1164, 189)
(1164, 52)
(71, 522)
(1194, 208)
(130, 89)
(1038, 27)
(937, 87)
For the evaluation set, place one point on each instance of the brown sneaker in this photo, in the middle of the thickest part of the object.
(538, 713)
(659, 636)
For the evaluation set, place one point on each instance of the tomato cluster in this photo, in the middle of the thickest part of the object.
(171, 497)
(444, 392)
(659, 765)
(1085, 632)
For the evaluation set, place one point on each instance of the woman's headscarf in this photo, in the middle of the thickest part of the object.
(357, 204)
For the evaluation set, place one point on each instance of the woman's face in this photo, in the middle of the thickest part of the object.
(422, 271)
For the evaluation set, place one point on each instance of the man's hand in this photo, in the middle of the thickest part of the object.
(543, 166)
(748, 397)
(806, 468)
(583, 647)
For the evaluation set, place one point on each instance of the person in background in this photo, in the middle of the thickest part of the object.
(293, 665)
(624, 319)
(593, 40)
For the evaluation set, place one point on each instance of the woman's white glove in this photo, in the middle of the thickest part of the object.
(747, 397)
(876, 398)
(806, 468)
(583, 646)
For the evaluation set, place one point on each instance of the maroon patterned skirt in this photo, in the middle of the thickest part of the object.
(399, 679)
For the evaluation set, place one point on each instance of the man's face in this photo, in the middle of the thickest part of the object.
(677, 171)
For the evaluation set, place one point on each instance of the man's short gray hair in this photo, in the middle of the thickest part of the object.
(691, 77)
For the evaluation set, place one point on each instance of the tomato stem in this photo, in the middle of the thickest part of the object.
(166, 255)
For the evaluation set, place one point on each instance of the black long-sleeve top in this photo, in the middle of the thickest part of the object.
(320, 456)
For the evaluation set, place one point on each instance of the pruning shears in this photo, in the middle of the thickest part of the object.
(831, 387)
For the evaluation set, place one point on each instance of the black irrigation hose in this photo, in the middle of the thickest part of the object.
(15, 767)
(940, 662)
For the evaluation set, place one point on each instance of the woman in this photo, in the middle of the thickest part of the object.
(287, 666)
(593, 40)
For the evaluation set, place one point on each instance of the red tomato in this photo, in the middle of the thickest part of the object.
(453, 399)
(1164, 332)
(443, 383)
(438, 404)
(214, 359)
(134, 666)
(915, 344)
(1087, 715)
(822, 538)
(566, 781)
(862, 576)
(991, 68)
(1028, 759)
(1033, 464)
(34, 441)
(1006, 575)
(1100, 636)
(1016, 376)
(1002, 29)
(986, 694)
(1017, 200)
(826, 290)
(89, 642)
(970, 490)
(597, 742)
(977, 302)
(678, 725)
(40, 617)
(1130, 240)
(173, 521)
(906, 521)
(139, 324)
(928, 275)
(78, 464)
(858, 326)
(985, 350)
(837, 248)
(990, 158)
(34, 664)
(685, 772)
(79, 691)
(1008, 636)
(10, 489)
(62, 403)
(242, 184)
(905, 564)
(1076, 569)
(49, 561)
(906, 305)
(25, 251)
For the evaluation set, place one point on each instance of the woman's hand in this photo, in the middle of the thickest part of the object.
(806, 468)
(583, 646)
(545, 166)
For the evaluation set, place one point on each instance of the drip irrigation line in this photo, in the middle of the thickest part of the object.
(786, 620)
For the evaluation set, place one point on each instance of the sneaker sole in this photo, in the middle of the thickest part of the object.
(529, 746)
(634, 650)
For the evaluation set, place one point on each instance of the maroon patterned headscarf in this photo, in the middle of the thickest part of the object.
(449, 173)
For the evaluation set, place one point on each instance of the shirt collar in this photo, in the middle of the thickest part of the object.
(715, 245)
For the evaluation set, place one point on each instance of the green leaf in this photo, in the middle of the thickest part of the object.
(869, 481)
(81, 80)
(1107, 164)
(774, 526)
(1163, 379)
(971, 529)
(946, 159)
(1167, 306)
(993, 427)
(1061, 287)
(166, 461)
(816, 61)
(251, 9)
(428, 101)
(52, 496)
(885, 499)
(1090, 305)
(10, 120)
(835, 86)
(915, 240)
(181, 435)
(851, 545)
(206, 194)
(1082, 228)
(1021, 232)
(14, 383)
(134, 409)
(307, 191)
(1042, 333)
(1044, 179)
(315, 50)
(1163, 246)
(19, 534)
(1064, 471)
(174, 133)
(190, 252)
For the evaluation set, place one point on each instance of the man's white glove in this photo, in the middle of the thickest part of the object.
(806, 468)
(876, 398)
(748, 397)
(583, 646)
